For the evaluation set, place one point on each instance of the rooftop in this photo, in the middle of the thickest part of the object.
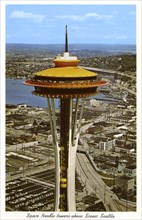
(66, 72)
(125, 177)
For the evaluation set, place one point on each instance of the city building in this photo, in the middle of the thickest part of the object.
(125, 184)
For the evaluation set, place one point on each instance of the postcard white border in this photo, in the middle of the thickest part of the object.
(117, 215)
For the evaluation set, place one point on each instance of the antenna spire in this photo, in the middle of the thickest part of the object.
(66, 40)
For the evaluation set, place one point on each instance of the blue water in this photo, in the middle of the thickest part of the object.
(18, 93)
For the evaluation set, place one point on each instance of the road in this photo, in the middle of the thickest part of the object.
(114, 73)
(52, 185)
(19, 146)
(108, 71)
(93, 182)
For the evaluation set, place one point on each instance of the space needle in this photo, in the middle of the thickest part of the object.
(71, 85)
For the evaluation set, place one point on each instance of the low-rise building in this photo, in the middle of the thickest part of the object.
(106, 144)
(130, 170)
(125, 184)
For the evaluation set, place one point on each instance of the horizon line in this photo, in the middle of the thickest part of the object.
(75, 43)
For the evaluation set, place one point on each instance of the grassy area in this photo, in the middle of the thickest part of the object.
(108, 182)
(105, 175)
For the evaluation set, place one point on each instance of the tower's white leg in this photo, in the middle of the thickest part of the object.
(52, 117)
(72, 156)
(71, 167)
(75, 120)
(79, 125)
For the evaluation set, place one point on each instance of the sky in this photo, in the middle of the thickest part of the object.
(94, 24)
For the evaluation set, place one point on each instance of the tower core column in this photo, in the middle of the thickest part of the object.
(64, 146)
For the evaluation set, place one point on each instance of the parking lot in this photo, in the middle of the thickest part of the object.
(32, 193)
(23, 194)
